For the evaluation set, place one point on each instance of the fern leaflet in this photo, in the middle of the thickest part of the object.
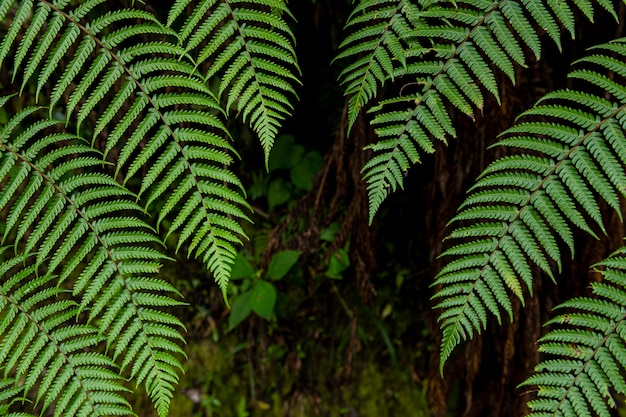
(87, 229)
(381, 35)
(154, 101)
(44, 355)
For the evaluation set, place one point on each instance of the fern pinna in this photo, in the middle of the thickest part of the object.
(53, 359)
(444, 53)
(571, 150)
(585, 352)
(378, 46)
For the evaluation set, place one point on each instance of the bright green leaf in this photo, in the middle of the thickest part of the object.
(281, 263)
(240, 311)
(339, 262)
(328, 234)
(263, 299)
(241, 268)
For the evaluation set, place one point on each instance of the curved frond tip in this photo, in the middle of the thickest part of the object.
(250, 48)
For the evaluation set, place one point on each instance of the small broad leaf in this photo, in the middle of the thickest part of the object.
(328, 234)
(281, 263)
(285, 153)
(263, 299)
(302, 174)
(241, 268)
(339, 262)
(278, 193)
(240, 311)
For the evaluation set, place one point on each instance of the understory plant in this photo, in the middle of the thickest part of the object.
(117, 145)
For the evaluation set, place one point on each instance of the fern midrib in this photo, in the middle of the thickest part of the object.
(58, 347)
(529, 199)
(119, 274)
(479, 24)
(156, 109)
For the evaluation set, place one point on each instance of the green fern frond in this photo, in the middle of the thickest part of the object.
(250, 46)
(450, 59)
(525, 205)
(402, 135)
(381, 32)
(87, 229)
(48, 358)
(585, 351)
(158, 114)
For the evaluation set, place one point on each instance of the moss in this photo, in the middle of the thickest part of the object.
(373, 392)
(378, 392)
(216, 383)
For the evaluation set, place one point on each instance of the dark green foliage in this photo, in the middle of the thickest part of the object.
(145, 161)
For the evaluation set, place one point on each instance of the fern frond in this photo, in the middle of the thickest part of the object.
(158, 112)
(87, 229)
(381, 32)
(250, 47)
(526, 204)
(450, 58)
(585, 351)
(47, 357)
(402, 136)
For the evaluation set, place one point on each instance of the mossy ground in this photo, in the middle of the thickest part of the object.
(217, 382)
